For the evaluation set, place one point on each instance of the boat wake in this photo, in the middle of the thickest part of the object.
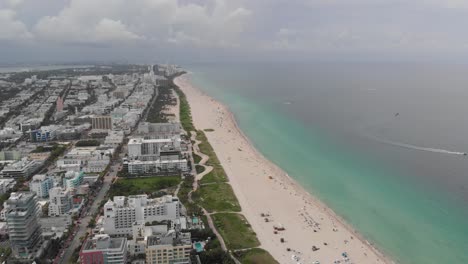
(409, 146)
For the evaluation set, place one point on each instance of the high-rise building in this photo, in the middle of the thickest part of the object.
(102, 249)
(21, 215)
(101, 122)
(41, 184)
(60, 201)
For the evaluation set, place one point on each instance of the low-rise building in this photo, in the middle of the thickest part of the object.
(8, 155)
(167, 248)
(159, 130)
(87, 159)
(160, 244)
(114, 138)
(102, 249)
(23, 168)
(6, 185)
(73, 179)
(138, 167)
(45, 133)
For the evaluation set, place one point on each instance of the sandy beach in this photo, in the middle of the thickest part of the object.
(263, 188)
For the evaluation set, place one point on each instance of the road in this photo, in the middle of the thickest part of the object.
(82, 228)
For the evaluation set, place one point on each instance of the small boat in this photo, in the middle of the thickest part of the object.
(464, 154)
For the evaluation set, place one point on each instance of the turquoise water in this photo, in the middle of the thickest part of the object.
(388, 194)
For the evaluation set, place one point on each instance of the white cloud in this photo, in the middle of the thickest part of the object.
(90, 21)
(111, 30)
(11, 28)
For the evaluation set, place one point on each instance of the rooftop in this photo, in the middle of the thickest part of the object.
(103, 242)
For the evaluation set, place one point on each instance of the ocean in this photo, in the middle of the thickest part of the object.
(382, 144)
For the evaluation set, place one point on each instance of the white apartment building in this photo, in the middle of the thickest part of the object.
(114, 138)
(157, 166)
(22, 213)
(87, 159)
(149, 149)
(60, 201)
(159, 130)
(6, 185)
(41, 184)
(23, 168)
(121, 213)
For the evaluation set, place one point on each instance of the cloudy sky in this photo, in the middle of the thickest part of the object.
(207, 30)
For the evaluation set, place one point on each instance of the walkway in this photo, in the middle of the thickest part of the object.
(198, 177)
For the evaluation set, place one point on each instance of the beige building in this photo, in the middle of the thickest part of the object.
(160, 244)
(157, 253)
(101, 122)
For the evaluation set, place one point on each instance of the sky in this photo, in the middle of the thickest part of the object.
(211, 30)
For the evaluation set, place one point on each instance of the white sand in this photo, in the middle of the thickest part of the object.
(285, 201)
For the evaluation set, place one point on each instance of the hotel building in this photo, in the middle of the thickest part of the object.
(121, 213)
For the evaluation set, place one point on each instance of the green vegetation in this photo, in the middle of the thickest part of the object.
(184, 110)
(215, 256)
(4, 253)
(196, 158)
(208, 130)
(199, 169)
(45, 148)
(217, 198)
(150, 185)
(217, 174)
(87, 143)
(213, 253)
(255, 256)
(57, 151)
(92, 223)
(185, 188)
(156, 113)
(235, 230)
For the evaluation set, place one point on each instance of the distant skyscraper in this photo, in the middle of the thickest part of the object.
(59, 104)
(24, 230)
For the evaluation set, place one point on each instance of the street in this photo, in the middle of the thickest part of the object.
(81, 228)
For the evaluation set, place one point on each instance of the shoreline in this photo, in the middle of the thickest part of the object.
(290, 193)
